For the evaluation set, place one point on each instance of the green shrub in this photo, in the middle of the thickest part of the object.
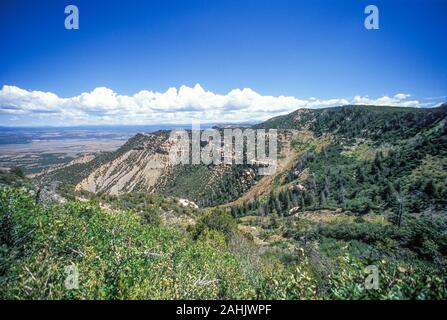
(216, 219)
(151, 215)
(366, 232)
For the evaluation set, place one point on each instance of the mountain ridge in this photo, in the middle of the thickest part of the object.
(129, 168)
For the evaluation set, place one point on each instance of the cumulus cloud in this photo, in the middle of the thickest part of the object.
(400, 99)
(182, 105)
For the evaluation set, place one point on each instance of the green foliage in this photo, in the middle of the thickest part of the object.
(199, 183)
(396, 281)
(426, 236)
(213, 237)
(217, 220)
(365, 232)
(117, 256)
(377, 122)
(374, 162)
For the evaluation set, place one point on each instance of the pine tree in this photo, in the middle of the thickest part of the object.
(342, 195)
(360, 175)
(278, 205)
(302, 203)
(322, 199)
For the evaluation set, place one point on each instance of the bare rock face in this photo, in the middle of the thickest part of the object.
(294, 211)
(187, 203)
(297, 187)
(143, 164)
(137, 169)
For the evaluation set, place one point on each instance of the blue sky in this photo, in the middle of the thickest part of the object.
(296, 49)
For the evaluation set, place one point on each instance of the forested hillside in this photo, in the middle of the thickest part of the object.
(357, 186)
(388, 160)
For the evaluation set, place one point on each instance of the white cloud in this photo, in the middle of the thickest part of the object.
(399, 99)
(104, 106)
